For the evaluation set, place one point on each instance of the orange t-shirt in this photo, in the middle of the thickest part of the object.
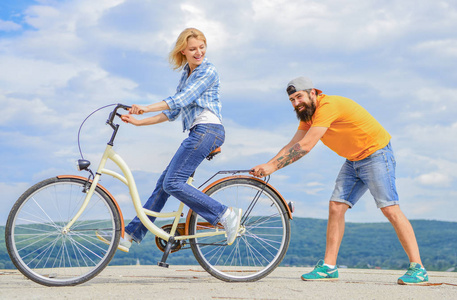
(352, 132)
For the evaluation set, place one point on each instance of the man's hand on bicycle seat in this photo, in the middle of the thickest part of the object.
(262, 170)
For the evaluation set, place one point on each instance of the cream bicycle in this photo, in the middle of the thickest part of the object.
(50, 232)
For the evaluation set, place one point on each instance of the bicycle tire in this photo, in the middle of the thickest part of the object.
(263, 242)
(38, 247)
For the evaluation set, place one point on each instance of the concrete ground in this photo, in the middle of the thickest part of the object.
(192, 282)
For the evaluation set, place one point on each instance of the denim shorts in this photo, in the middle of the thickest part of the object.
(375, 173)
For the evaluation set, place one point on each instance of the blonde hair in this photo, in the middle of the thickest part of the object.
(176, 58)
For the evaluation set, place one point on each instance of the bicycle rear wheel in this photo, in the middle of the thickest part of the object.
(45, 253)
(262, 242)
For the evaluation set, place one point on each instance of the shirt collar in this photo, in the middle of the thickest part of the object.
(187, 69)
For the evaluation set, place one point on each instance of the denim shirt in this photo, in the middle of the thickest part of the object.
(194, 93)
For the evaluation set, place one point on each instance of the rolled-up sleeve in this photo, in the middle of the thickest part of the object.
(171, 114)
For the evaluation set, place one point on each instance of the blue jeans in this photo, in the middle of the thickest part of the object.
(375, 173)
(202, 139)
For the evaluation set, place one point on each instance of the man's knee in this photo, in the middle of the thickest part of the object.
(337, 208)
(392, 212)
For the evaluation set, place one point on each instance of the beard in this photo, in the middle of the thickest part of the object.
(307, 113)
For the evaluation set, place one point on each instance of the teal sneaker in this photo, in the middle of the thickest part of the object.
(321, 272)
(416, 274)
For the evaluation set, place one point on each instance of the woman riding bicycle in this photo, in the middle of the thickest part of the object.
(197, 101)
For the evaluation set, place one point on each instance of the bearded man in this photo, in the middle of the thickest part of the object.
(349, 130)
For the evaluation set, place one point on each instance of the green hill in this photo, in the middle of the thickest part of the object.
(371, 245)
(365, 245)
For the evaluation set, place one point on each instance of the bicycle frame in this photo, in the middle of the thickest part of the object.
(141, 212)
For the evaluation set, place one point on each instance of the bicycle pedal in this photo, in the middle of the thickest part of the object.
(163, 264)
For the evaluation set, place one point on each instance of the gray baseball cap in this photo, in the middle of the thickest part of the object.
(300, 84)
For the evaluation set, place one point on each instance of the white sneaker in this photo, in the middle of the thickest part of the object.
(106, 238)
(231, 224)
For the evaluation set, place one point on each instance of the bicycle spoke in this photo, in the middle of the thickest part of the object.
(263, 238)
(50, 255)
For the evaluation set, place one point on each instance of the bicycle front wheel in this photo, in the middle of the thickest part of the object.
(262, 241)
(39, 246)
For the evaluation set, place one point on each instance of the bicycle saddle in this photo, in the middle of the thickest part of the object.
(214, 153)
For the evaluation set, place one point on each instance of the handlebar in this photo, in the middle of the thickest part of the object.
(115, 113)
(111, 119)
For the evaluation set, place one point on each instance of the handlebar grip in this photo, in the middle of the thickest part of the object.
(126, 107)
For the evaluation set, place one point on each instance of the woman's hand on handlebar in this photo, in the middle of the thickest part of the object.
(133, 110)
(137, 110)
(130, 119)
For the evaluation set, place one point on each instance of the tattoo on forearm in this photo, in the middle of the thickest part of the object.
(295, 153)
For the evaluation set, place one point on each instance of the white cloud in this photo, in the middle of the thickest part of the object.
(11, 191)
(438, 48)
(68, 16)
(9, 26)
(435, 179)
(31, 75)
(429, 143)
(348, 25)
(422, 202)
(396, 57)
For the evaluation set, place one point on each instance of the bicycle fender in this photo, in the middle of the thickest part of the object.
(289, 212)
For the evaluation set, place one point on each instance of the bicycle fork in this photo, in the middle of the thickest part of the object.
(89, 194)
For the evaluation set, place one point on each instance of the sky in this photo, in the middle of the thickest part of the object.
(62, 60)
